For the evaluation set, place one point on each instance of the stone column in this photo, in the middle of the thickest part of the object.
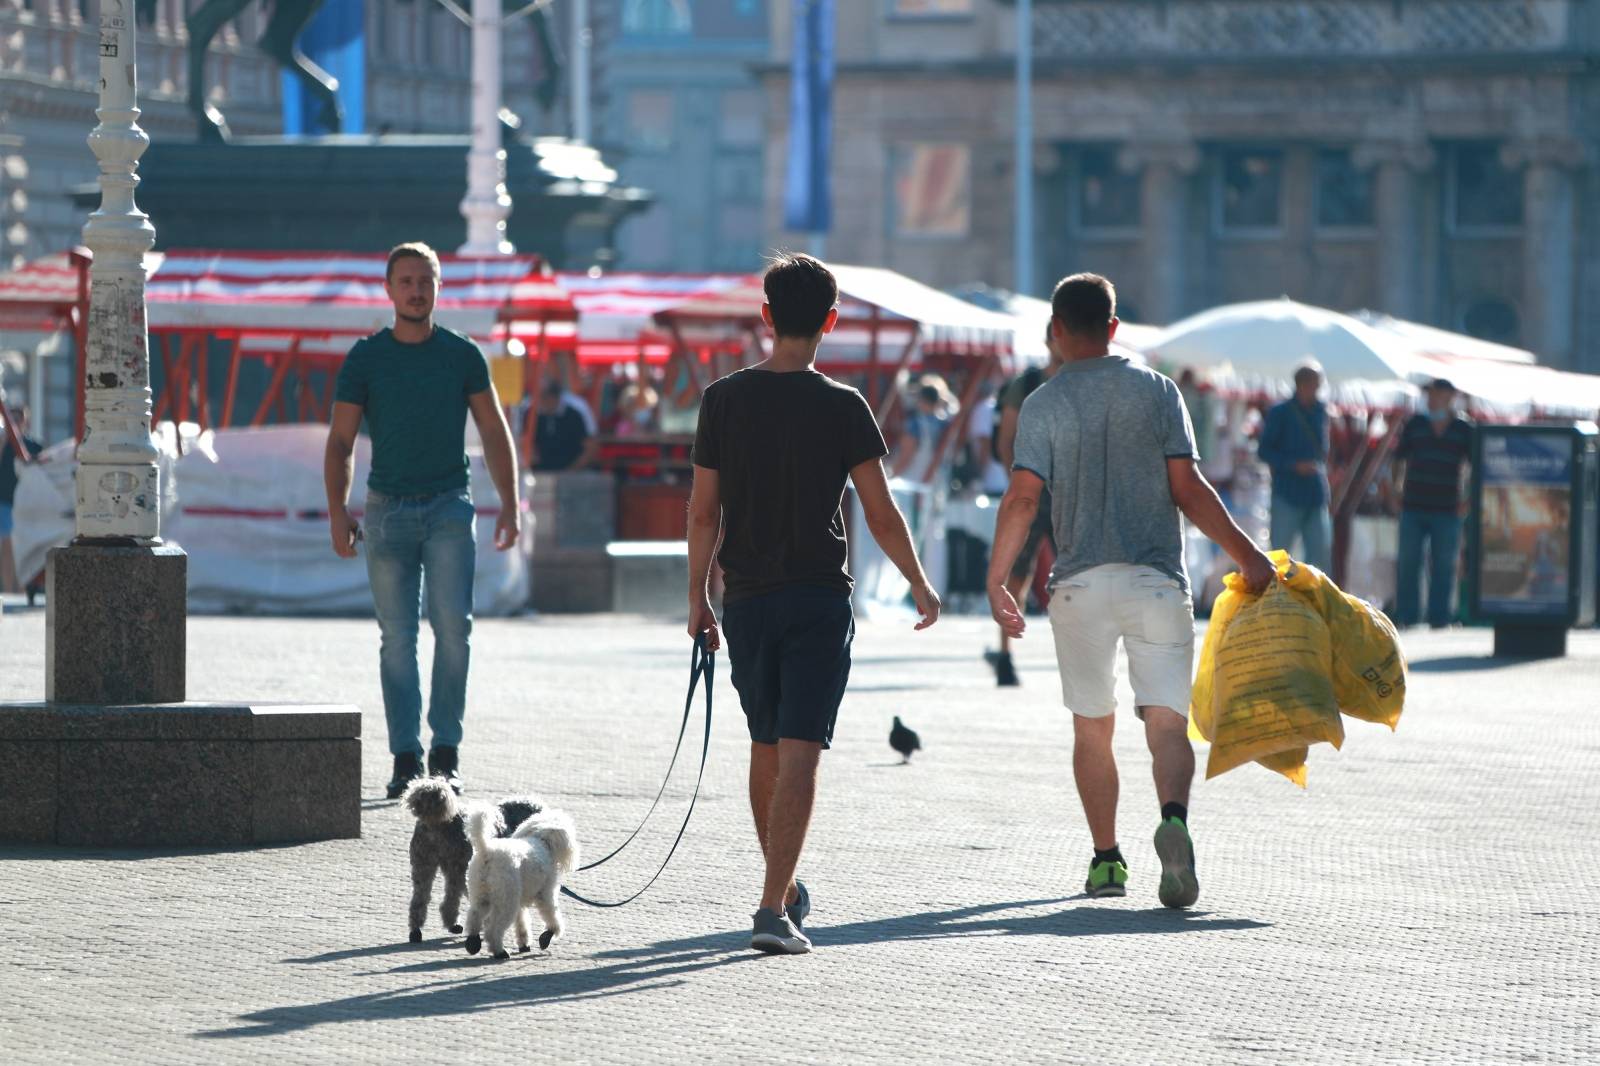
(116, 598)
(1400, 250)
(1165, 168)
(1549, 266)
(487, 204)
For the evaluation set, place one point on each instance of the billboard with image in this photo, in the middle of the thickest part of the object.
(1525, 524)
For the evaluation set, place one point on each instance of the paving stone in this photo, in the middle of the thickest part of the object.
(1426, 900)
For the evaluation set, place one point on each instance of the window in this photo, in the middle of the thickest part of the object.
(931, 8)
(1344, 192)
(1492, 319)
(932, 190)
(740, 119)
(650, 119)
(1483, 192)
(657, 18)
(1249, 189)
(1107, 197)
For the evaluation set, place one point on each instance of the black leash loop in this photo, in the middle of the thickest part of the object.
(701, 662)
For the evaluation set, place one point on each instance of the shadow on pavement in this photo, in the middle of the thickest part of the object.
(1456, 664)
(669, 963)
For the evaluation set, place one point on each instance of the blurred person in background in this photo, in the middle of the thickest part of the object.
(1016, 390)
(636, 410)
(933, 406)
(17, 425)
(1431, 461)
(1294, 445)
(562, 437)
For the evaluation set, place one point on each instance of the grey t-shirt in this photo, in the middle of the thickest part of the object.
(1100, 433)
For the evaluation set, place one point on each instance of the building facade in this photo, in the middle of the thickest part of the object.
(418, 80)
(1432, 159)
(680, 108)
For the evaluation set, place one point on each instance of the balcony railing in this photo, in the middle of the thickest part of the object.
(1245, 29)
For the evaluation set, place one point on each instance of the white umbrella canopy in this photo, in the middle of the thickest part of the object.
(1268, 339)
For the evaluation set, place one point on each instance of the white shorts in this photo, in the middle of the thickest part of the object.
(1152, 615)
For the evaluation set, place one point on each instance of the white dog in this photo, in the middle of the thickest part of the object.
(507, 875)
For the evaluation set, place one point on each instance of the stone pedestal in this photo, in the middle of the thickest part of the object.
(650, 577)
(114, 624)
(178, 774)
(574, 519)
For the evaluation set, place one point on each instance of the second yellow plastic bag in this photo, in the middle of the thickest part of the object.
(1271, 686)
(1369, 669)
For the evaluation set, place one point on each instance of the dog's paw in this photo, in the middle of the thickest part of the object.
(545, 938)
(455, 929)
(474, 944)
(523, 949)
(416, 936)
(502, 954)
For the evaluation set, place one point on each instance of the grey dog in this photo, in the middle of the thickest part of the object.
(440, 842)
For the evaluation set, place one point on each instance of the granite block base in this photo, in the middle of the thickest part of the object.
(115, 623)
(571, 582)
(178, 774)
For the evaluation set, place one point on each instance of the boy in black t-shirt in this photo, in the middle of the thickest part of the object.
(775, 444)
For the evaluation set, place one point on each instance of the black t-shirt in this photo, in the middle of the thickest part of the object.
(8, 464)
(783, 446)
(559, 438)
(1433, 463)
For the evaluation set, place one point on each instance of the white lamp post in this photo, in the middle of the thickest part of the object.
(487, 204)
(117, 480)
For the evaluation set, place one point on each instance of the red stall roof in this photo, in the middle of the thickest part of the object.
(40, 295)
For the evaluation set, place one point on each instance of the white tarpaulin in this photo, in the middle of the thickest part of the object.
(248, 507)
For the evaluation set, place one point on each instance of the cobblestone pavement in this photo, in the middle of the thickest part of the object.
(1430, 898)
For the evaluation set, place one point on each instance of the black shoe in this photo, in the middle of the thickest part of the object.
(442, 763)
(407, 768)
(1005, 673)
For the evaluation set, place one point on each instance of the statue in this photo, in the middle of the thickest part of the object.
(284, 25)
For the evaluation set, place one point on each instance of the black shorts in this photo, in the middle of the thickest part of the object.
(790, 651)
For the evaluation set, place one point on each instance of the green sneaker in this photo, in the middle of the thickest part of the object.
(1106, 879)
(1179, 886)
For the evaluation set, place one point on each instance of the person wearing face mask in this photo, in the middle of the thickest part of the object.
(1430, 461)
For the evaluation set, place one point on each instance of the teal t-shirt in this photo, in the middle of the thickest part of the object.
(415, 399)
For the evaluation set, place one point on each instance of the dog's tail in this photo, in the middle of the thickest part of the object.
(483, 825)
(559, 834)
(431, 801)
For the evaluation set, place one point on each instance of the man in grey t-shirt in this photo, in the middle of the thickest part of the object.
(1113, 444)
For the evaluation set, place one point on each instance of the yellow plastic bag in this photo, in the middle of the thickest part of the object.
(1369, 669)
(1272, 690)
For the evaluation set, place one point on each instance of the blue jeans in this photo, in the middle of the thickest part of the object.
(1442, 530)
(407, 537)
(1312, 525)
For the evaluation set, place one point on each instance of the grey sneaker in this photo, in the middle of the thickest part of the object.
(775, 934)
(798, 911)
(1179, 886)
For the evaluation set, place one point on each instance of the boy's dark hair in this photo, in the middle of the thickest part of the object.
(1084, 304)
(801, 292)
(410, 250)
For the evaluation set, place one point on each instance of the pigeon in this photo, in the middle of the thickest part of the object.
(904, 740)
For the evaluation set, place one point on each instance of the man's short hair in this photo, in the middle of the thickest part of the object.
(800, 291)
(411, 250)
(1308, 371)
(1084, 304)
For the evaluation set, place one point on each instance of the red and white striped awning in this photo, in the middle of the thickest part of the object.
(616, 312)
(39, 295)
(325, 300)
(870, 298)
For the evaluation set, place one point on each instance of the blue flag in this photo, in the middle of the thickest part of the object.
(807, 202)
(335, 40)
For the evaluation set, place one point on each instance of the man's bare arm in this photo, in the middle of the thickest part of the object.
(1199, 502)
(705, 531)
(337, 472)
(1017, 510)
(501, 458)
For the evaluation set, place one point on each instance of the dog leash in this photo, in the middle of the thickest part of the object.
(701, 662)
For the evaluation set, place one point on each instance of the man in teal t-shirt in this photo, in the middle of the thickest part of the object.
(414, 384)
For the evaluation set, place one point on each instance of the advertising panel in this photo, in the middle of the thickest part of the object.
(1525, 564)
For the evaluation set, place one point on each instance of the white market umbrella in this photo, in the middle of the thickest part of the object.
(1268, 339)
